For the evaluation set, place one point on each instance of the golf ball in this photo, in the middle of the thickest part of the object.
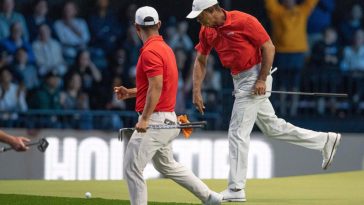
(88, 195)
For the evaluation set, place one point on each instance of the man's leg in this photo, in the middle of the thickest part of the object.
(164, 162)
(140, 150)
(242, 121)
(278, 128)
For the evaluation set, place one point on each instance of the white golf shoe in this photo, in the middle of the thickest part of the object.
(233, 196)
(328, 153)
(214, 199)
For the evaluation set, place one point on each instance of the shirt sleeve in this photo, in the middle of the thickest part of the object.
(273, 7)
(307, 6)
(152, 64)
(255, 31)
(203, 47)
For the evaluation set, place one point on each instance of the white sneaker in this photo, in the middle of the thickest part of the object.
(233, 196)
(328, 153)
(214, 199)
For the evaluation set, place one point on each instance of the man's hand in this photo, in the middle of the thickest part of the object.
(142, 125)
(198, 102)
(259, 88)
(122, 93)
(18, 143)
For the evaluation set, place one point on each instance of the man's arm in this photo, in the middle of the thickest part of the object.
(152, 99)
(273, 7)
(18, 143)
(124, 93)
(268, 51)
(307, 6)
(199, 72)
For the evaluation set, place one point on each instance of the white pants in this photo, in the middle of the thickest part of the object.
(249, 109)
(156, 145)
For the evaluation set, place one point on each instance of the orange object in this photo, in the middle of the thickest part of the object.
(185, 131)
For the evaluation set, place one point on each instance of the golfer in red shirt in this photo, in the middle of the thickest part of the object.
(155, 92)
(246, 49)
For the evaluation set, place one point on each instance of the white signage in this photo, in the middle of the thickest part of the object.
(95, 158)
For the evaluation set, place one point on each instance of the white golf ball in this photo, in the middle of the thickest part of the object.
(88, 195)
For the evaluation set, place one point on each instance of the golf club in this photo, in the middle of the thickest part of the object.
(198, 124)
(42, 145)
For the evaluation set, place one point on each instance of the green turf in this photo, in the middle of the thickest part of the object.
(333, 189)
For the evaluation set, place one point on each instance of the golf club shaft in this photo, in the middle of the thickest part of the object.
(341, 95)
(181, 126)
(195, 123)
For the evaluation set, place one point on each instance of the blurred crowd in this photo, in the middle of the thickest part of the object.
(72, 62)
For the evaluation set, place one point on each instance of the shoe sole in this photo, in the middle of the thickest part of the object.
(234, 200)
(333, 151)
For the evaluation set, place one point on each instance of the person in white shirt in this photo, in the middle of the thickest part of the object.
(72, 31)
(8, 17)
(12, 98)
(48, 53)
(353, 59)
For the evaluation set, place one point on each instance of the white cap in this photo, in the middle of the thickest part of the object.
(199, 5)
(143, 12)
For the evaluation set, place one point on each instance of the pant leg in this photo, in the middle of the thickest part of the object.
(140, 150)
(164, 162)
(242, 120)
(278, 128)
(241, 124)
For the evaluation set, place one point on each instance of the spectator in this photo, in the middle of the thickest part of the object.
(353, 66)
(130, 14)
(16, 41)
(104, 27)
(289, 25)
(71, 31)
(352, 24)
(326, 52)
(26, 73)
(8, 17)
(12, 98)
(319, 20)
(181, 38)
(325, 72)
(48, 95)
(113, 121)
(91, 77)
(38, 18)
(73, 98)
(181, 60)
(354, 55)
(48, 53)
(118, 67)
(212, 86)
(132, 44)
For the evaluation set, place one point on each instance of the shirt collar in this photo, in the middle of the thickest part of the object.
(152, 39)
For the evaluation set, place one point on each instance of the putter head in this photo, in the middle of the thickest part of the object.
(42, 145)
(125, 132)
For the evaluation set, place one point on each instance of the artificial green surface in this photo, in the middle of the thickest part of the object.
(333, 189)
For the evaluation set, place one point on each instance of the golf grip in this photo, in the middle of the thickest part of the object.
(4, 149)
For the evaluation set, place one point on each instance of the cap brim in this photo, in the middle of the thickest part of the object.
(193, 14)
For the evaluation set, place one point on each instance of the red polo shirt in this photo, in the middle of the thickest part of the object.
(157, 58)
(237, 42)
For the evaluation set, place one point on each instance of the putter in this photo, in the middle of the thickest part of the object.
(338, 95)
(42, 145)
(198, 124)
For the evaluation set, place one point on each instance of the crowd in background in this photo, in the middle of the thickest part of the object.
(72, 62)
